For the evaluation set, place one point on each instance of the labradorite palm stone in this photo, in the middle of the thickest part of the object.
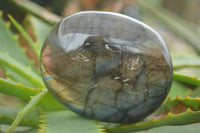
(106, 66)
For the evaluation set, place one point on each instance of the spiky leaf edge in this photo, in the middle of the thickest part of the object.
(187, 117)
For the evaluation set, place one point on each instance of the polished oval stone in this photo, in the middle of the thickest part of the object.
(106, 66)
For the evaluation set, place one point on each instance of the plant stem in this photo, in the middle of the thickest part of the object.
(35, 100)
(37, 11)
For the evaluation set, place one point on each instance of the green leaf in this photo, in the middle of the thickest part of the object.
(178, 89)
(186, 79)
(24, 92)
(181, 62)
(187, 117)
(17, 89)
(40, 29)
(49, 103)
(193, 103)
(192, 128)
(179, 113)
(26, 36)
(7, 115)
(32, 79)
(20, 129)
(195, 93)
(69, 122)
(10, 45)
(22, 113)
(36, 10)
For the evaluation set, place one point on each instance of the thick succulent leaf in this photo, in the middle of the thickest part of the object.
(180, 62)
(15, 77)
(9, 44)
(7, 115)
(192, 128)
(36, 10)
(187, 117)
(178, 89)
(24, 92)
(178, 111)
(28, 108)
(186, 78)
(69, 122)
(26, 36)
(30, 77)
(193, 103)
(20, 129)
(17, 89)
(40, 29)
(195, 93)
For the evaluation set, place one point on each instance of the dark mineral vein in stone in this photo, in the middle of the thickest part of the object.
(106, 66)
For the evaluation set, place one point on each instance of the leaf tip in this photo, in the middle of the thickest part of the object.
(188, 109)
(10, 17)
(31, 97)
(42, 127)
(101, 129)
(170, 114)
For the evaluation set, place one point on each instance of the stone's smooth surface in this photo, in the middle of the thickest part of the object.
(106, 66)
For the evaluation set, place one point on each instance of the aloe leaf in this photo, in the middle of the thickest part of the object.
(30, 76)
(24, 92)
(17, 89)
(192, 128)
(19, 129)
(182, 62)
(34, 45)
(9, 44)
(40, 29)
(69, 122)
(7, 115)
(178, 89)
(186, 79)
(193, 103)
(181, 111)
(187, 117)
(195, 93)
(20, 115)
(36, 10)
(16, 78)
